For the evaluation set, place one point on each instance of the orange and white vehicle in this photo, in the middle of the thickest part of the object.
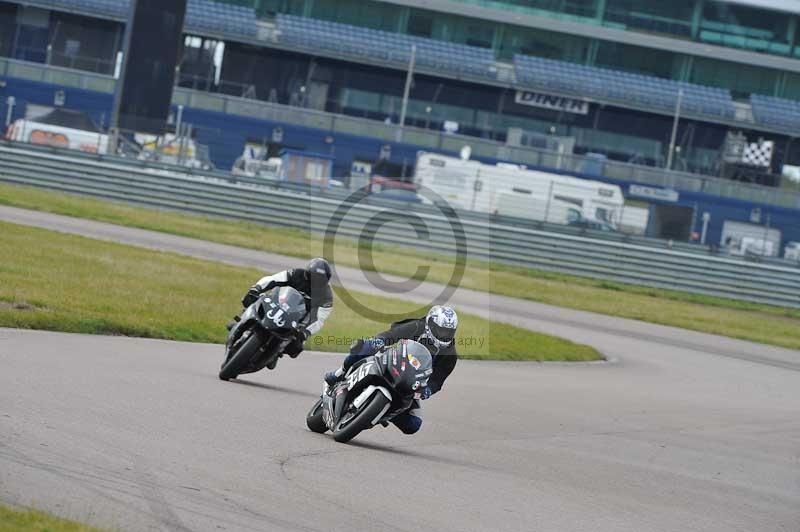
(42, 134)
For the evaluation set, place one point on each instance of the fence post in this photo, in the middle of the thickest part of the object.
(476, 186)
(549, 199)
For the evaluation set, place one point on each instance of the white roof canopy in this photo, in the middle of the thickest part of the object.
(787, 6)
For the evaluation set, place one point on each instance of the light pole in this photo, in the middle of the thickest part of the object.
(671, 153)
(11, 102)
(406, 92)
(704, 234)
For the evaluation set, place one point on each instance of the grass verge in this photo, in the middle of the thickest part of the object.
(736, 319)
(12, 520)
(59, 282)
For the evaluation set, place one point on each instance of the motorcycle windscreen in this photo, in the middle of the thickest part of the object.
(409, 365)
(287, 308)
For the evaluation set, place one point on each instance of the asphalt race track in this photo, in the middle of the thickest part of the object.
(682, 431)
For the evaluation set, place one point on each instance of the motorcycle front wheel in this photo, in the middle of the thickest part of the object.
(351, 424)
(237, 362)
(314, 418)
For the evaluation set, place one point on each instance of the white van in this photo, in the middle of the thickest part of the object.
(41, 134)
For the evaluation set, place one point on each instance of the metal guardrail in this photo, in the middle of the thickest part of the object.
(578, 255)
(427, 138)
(340, 194)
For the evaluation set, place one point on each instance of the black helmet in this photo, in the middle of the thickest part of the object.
(319, 268)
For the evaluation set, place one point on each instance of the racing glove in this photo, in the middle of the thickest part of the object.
(251, 296)
(426, 393)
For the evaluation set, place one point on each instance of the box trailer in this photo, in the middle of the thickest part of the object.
(517, 191)
(741, 238)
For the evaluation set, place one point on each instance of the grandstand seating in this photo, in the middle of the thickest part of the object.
(216, 17)
(201, 15)
(623, 87)
(776, 112)
(209, 16)
(115, 8)
(386, 46)
(557, 76)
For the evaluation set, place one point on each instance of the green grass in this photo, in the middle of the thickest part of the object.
(736, 319)
(59, 282)
(12, 520)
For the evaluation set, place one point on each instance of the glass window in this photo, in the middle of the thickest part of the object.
(559, 8)
(420, 24)
(375, 15)
(244, 3)
(465, 30)
(452, 28)
(673, 17)
(581, 8)
(741, 80)
(530, 41)
(478, 34)
(8, 22)
(791, 88)
(736, 26)
(270, 7)
(361, 100)
(645, 61)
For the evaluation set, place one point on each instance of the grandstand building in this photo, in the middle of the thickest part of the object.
(520, 81)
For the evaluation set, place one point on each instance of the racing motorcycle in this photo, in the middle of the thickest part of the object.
(374, 390)
(264, 330)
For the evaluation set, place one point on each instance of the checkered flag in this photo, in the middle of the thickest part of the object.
(758, 153)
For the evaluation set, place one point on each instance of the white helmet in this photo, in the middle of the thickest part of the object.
(440, 325)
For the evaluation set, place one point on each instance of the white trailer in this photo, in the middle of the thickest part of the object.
(792, 251)
(516, 191)
(741, 238)
(57, 136)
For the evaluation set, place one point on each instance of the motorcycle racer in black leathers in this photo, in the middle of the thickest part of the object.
(436, 331)
(313, 281)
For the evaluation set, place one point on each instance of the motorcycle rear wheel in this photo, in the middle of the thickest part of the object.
(241, 358)
(362, 420)
(314, 419)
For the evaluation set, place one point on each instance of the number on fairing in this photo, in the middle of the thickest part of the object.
(358, 375)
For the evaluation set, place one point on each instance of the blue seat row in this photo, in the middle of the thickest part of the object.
(454, 58)
(386, 46)
(776, 112)
(201, 15)
(117, 8)
(625, 87)
(207, 15)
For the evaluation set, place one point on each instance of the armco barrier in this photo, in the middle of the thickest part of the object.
(432, 140)
(217, 195)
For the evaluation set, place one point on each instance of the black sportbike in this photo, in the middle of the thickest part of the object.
(264, 330)
(374, 390)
